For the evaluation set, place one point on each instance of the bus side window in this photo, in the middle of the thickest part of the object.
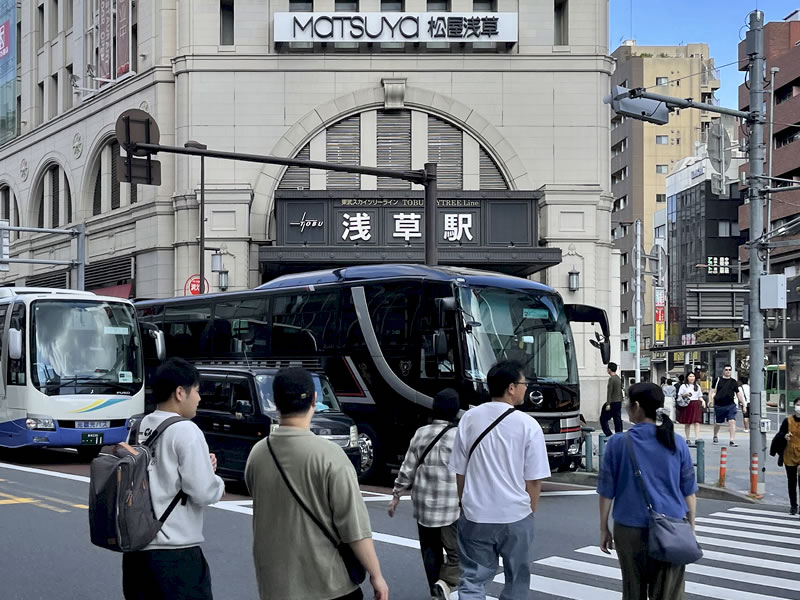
(16, 368)
(3, 313)
(304, 323)
(186, 330)
(240, 327)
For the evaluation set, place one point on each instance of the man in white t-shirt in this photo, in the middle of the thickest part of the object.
(499, 483)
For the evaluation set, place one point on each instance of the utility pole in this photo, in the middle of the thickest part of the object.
(755, 49)
(637, 309)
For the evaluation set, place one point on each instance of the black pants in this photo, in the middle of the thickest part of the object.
(616, 414)
(791, 477)
(354, 595)
(433, 541)
(180, 574)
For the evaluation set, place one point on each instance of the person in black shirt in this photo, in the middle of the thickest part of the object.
(723, 398)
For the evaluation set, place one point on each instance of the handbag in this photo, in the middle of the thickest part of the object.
(355, 570)
(669, 539)
(684, 401)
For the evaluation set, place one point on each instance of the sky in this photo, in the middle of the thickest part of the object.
(719, 23)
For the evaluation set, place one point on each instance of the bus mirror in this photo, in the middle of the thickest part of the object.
(14, 344)
(161, 345)
(443, 306)
(604, 345)
(440, 344)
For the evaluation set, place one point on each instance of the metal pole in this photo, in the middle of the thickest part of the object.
(202, 224)
(637, 309)
(701, 461)
(80, 230)
(772, 72)
(755, 44)
(431, 251)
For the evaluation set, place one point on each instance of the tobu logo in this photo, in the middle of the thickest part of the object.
(5, 39)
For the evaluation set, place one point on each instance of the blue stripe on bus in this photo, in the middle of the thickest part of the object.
(14, 434)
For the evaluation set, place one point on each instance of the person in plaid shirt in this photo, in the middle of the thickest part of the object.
(434, 494)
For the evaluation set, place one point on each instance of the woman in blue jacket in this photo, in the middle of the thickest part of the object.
(667, 473)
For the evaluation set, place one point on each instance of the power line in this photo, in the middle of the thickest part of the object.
(736, 62)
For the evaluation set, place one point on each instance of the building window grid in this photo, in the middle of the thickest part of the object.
(226, 22)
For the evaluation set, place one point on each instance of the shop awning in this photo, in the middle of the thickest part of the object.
(117, 291)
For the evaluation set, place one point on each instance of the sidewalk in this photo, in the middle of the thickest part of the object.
(738, 469)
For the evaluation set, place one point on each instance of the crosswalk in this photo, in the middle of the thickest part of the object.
(766, 567)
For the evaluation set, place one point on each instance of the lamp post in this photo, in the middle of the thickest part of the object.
(574, 280)
(199, 146)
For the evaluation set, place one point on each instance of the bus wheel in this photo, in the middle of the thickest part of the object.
(368, 441)
(88, 452)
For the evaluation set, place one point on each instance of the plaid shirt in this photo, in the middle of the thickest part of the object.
(433, 486)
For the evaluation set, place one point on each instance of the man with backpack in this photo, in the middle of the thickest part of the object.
(499, 458)
(172, 566)
(434, 493)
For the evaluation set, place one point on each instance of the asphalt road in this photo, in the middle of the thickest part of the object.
(752, 553)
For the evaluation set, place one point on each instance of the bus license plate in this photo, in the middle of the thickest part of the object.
(92, 424)
(91, 439)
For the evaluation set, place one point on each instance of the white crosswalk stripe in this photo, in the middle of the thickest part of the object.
(746, 525)
(736, 517)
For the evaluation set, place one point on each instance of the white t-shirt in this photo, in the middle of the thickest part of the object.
(694, 394)
(512, 453)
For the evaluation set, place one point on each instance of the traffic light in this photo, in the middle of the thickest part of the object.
(652, 111)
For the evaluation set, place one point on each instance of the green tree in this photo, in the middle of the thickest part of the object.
(714, 336)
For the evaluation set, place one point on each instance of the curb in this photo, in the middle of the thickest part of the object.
(705, 491)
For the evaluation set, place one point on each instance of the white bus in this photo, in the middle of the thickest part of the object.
(70, 369)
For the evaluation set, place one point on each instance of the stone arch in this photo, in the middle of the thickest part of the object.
(99, 143)
(48, 160)
(427, 101)
(7, 181)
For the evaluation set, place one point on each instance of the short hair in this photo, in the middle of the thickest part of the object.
(502, 375)
(663, 380)
(612, 366)
(744, 379)
(293, 391)
(669, 381)
(172, 374)
(727, 367)
(446, 405)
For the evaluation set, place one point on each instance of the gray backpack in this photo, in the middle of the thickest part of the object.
(121, 515)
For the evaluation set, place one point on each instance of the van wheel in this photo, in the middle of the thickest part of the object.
(88, 452)
(370, 452)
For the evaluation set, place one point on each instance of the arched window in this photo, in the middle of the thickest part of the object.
(9, 211)
(54, 199)
(109, 193)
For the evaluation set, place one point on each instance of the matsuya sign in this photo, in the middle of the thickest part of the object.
(396, 27)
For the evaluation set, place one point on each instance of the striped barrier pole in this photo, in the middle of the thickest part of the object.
(723, 466)
(754, 477)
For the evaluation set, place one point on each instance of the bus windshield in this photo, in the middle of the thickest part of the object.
(528, 326)
(82, 344)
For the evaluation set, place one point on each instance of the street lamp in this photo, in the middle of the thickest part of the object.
(199, 146)
(574, 280)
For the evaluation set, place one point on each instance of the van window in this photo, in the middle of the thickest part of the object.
(215, 394)
(326, 399)
(186, 330)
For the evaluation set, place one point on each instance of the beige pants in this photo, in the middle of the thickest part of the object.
(642, 577)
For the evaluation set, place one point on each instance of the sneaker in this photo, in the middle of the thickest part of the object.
(793, 510)
(734, 444)
(716, 440)
(440, 590)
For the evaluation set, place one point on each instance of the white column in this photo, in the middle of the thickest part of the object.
(419, 142)
(471, 158)
(105, 180)
(317, 151)
(369, 147)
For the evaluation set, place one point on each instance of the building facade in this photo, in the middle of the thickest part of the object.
(504, 95)
(642, 154)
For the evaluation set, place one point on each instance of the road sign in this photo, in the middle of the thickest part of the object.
(719, 147)
(135, 126)
(4, 245)
(140, 170)
(642, 109)
(632, 339)
(192, 286)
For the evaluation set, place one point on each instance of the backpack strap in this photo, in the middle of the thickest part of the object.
(439, 436)
(488, 429)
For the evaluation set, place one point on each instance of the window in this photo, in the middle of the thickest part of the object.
(16, 368)
(343, 146)
(620, 204)
(186, 330)
(662, 169)
(624, 316)
(647, 343)
(392, 6)
(349, 6)
(226, 23)
(624, 345)
(40, 103)
(619, 176)
(661, 232)
(68, 12)
(393, 146)
(66, 95)
(662, 80)
(616, 121)
(789, 136)
(50, 196)
(560, 23)
(438, 5)
(624, 288)
(304, 323)
(53, 19)
(445, 147)
(484, 5)
(40, 27)
(241, 328)
(301, 6)
(120, 193)
(724, 228)
(661, 198)
(662, 140)
(240, 390)
(9, 212)
(623, 259)
(619, 147)
(3, 313)
(215, 393)
(52, 100)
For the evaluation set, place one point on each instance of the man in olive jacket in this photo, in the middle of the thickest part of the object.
(613, 405)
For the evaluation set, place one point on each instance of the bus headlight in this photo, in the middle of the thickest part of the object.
(41, 423)
(353, 436)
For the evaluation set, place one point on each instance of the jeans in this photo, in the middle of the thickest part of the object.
(791, 477)
(434, 540)
(480, 545)
(616, 413)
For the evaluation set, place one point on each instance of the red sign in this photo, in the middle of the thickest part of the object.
(106, 34)
(192, 286)
(5, 39)
(123, 37)
(659, 314)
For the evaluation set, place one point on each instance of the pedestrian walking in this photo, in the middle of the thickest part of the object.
(173, 567)
(745, 388)
(723, 398)
(500, 459)
(690, 407)
(667, 475)
(434, 494)
(311, 530)
(790, 431)
(612, 409)
(669, 397)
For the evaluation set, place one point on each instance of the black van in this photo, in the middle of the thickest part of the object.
(237, 409)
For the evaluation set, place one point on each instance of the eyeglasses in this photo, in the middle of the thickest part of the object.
(523, 382)
(726, 369)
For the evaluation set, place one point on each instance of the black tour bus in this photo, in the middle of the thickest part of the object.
(389, 337)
